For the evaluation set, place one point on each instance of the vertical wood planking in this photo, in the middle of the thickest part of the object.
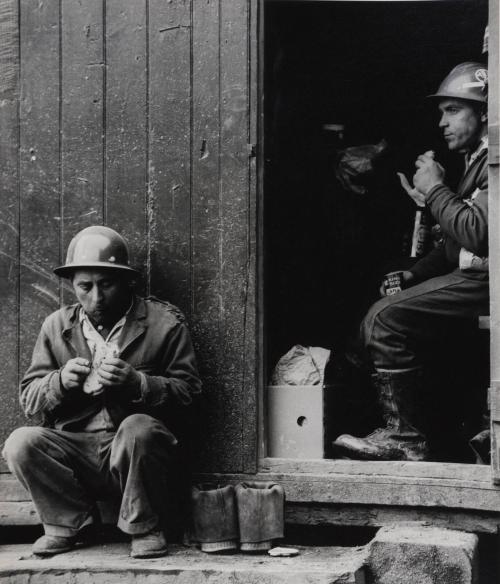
(494, 205)
(254, 337)
(222, 430)
(169, 205)
(147, 131)
(126, 124)
(39, 169)
(236, 271)
(9, 233)
(494, 235)
(82, 116)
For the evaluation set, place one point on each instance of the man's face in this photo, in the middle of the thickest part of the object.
(104, 294)
(462, 124)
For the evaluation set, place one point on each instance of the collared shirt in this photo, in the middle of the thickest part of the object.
(100, 349)
(466, 259)
(471, 158)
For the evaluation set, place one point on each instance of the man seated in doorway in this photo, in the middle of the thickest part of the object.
(111, 381)
(445, 289)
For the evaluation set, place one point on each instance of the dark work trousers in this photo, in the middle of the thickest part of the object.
(66, 472)
(399, 329)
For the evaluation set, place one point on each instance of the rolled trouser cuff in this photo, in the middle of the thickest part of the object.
(65, 531)
(137, 528)
(219, 546)
(261, 546)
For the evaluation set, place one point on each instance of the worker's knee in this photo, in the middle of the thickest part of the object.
(380, 317)
(138, 431)
(22, 445)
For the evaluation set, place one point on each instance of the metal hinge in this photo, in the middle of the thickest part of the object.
(252, 150)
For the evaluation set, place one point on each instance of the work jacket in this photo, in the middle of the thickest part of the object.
(154, 340)
(463, 217)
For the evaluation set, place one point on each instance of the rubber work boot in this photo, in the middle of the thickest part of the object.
(215, 520)
(260, 514)
(49, 545)
(149, 545)
(400, 394)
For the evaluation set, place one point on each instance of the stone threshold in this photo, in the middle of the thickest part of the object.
(110, 563)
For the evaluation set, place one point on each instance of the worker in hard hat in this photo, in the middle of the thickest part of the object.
(444, 290)
(110, 383)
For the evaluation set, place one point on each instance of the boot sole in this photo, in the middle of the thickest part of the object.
(345, 452)
(44, 553)
(356, 455)
(145, 555)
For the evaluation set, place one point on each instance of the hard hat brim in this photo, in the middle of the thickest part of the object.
(452, 95)
(67, 270)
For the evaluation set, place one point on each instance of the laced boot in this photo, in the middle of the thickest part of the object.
(149, 545)
(400, 394)
(49, 545)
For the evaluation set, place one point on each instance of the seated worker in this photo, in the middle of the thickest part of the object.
(444, 290)
(110, 383)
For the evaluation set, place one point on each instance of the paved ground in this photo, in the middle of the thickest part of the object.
(111, 564)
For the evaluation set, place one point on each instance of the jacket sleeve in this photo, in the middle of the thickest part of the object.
(41, 390)
(180, 381)
(435, 263)
(466, 223)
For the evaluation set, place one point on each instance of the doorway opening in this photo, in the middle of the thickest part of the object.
(337, 75)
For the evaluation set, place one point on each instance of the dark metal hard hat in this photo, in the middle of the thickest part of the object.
(465, 81)
(96, 247)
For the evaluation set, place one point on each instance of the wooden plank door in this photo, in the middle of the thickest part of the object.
(138, 115)
(10, 415)
(223, 227)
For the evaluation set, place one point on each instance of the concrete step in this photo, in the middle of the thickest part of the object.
(111, 564)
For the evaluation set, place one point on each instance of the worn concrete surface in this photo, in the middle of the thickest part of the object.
(111, 564)
(416, 554)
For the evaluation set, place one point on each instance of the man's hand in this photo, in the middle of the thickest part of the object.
(73, 374)
(429, 173)
(115, 372)
(416, 195)
(407, 278)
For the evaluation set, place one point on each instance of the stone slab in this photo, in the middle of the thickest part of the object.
(418, 554)
(111, 564)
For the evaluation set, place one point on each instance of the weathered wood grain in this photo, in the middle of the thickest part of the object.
(237, 271)
(494, 235)
(16, 513)
(9, 233)
(24, 513)
(464, 487)
(15, 509)
(126, 172)
(9, 48)
(11, 489)
(220, 423)
(82, 68)
(169, 202)
(424, 470)
(222, 272)
(257, 209)
(39, 169)
(378, 516)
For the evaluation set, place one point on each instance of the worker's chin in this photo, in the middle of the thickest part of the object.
(99, 316)
(452, 144)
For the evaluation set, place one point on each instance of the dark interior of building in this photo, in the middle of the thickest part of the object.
(366, 68)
